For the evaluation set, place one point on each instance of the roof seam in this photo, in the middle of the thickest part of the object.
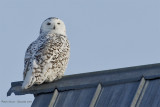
(96, 95)
(142, 93)
(53, 99)
(138, 92)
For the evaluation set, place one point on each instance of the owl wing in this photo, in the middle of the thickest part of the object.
(38, 63)
(28, 55)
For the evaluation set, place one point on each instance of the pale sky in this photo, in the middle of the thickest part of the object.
(103, 34)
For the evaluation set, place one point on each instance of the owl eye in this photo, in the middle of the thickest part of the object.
(58, 23)
(48, 23)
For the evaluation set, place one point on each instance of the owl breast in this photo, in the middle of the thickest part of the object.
(58, 57)
(51, 58)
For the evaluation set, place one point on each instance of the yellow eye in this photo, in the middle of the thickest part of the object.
(48, 23)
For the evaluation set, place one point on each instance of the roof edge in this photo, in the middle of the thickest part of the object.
(105, 77)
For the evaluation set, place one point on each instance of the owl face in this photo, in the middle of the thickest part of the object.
(53, 25)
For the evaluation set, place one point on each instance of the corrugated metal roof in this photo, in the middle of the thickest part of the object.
(150, 95)
(75, 98)
(42, 99)
(120, 95)
(125, 87)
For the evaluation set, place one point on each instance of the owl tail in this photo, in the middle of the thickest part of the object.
(29, 80)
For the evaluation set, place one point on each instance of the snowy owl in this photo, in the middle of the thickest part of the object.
(47, 57)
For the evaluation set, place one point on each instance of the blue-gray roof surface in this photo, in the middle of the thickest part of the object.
(151, 94)
(75, 98)
(125, 87)
(119, 95)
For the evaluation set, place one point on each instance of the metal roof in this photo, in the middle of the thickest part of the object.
(125, 87)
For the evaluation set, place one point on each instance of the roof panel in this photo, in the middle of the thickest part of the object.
(75, 98)
(42, 100)
(151, 94)
(119, 95)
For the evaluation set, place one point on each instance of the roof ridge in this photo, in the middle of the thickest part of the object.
(105, 77)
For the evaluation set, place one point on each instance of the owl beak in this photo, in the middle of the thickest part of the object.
(54, 27)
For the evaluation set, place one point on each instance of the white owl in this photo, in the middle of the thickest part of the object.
(46, 58)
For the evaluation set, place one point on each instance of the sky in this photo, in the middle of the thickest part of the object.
(103, 35)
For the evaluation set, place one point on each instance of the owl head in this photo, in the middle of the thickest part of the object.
(53, 25)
